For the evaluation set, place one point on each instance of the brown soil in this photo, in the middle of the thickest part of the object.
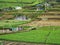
(45, 23)
(21, 43)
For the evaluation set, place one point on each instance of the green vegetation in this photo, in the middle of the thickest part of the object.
(49, 34)
(54, 9)
(54, 37)
(11, 23)
(13, 3)
(18, 0)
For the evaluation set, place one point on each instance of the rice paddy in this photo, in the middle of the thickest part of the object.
(49, 34)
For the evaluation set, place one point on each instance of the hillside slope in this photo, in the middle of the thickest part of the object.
(12, 3)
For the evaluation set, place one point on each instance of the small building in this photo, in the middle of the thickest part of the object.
(10, 30)
(40, 7)
(22, 17)
(5, 30)
(7, 9)
(18, 8)
(19, 28)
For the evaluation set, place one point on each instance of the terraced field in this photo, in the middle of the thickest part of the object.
(11, 23)
(18, 0)
(46, 31)
(47, 34)
(13, 3)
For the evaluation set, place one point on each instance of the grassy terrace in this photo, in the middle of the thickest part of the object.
(49, 34)
(11, 23)
(18, 0)
(13, 3)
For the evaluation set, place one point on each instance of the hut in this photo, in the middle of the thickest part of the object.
(40, 7)
(21, 17)
(9, 30)
(5, 30)
(19, 28)
(18, 8)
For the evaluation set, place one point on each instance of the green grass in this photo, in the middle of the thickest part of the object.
(2, 5)
(11, 23)
(37, 36)
(32, 36)
(54, 37)
(18, 0)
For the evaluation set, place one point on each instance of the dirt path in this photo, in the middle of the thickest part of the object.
(38, 23)
(44, 23)
(21, 43)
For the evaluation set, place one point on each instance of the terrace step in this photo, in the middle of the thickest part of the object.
(54, 9)
(55, 3)
(56, 6)
(49, 16)
(51, 13)
(39, 22)
(23, 43)
(11, 43)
